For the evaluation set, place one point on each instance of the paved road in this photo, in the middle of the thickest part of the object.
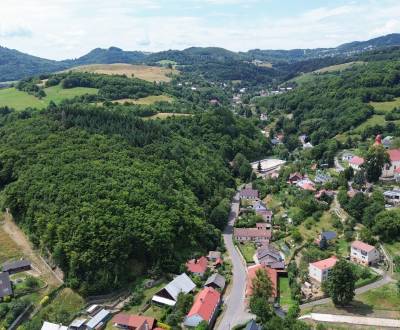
(385, 280)
(235, 308)
(360, 320)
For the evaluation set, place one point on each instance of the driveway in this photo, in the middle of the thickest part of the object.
(235, 307)
(339, 167)
(359, 320)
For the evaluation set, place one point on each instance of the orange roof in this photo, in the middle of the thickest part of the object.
(205, 303)
(326, 263)
(251, 274)
(197, 265)
(357, 161)
(133, 321)
(362, 246)
(394, 155)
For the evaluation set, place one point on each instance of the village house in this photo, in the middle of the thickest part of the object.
(388, 171)
(322, 177)
(261, 210)
(356, 163)
(319, 270)
(306, 184)
(93, 310)
(5, 286)
(169, 294)
(269, 256)
(347, 156)
(325, 238)
(214, 255)
(99, 320)
(248, 194)
(197, 266)
(133, 322)
(308, 145)
(17, 266)
(204, 308)
(364, 253)
(295, 177)
(78, 324)
(324, 192)
(387, 142)
(251, 275)
(392, 196)
(53, 326)
(216, 281)
(258, 235)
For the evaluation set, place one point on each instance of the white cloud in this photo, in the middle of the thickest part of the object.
(69, 28)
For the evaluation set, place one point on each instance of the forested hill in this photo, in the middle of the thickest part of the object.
(110, 195)
(203, 60)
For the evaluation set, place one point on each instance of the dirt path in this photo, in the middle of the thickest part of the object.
(38, 263)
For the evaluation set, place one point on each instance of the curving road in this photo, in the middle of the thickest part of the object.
(235, 307)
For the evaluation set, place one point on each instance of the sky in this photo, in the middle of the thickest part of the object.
(61, 29)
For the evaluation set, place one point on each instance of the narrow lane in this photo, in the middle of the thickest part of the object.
(235, 308)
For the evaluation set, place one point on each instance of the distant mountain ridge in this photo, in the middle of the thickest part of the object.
(15, 65)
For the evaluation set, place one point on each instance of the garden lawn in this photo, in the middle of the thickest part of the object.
(325, 223)
(285, 299)
(8, 248)
(148, 294)
(386, 106)
(248, 250)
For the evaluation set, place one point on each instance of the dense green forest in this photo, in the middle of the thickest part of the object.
(109, 194)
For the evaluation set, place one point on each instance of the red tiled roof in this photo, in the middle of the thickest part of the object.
(197, 265)
(205, 303)
(326, 263)
(394, 155)
(133, 321)
(362, 246)
(251, 274)
(251, 232)
(357, 161)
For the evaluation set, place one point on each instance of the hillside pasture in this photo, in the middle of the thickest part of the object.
(144, 72)
(338, 67)
(9, 249)
(165, 115)
(19, 100)
(148, 100)
(383, 107)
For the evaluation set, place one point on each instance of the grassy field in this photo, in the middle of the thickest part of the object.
(148, 100)
(374, 120)
(145, 72)
(21, 100)
(325, 223)
(285, 299)
(393, 248)
(338, 67)
(164, 115)
(148, 294)
(380, 302)
(248, 250)
(386, 106)
(8, 248)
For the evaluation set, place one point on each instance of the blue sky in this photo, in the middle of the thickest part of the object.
(61, 29)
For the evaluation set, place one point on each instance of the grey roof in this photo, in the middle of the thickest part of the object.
(268, 250)
(15, 265)
(98, 318)
(260, 206)
(277, 265)
(248, 192)
(217, 279)
(252, 325)
(77, 323)
(214, 254)
(5, 285)
(328, 235)
(181, 283)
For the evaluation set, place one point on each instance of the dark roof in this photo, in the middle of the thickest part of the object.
(15, 265)
(328, 235)
(5, 285)
(268, 250)
(248, 192)
(217, 279)
(252, 325)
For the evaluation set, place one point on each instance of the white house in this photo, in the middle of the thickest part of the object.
(364, 253)
(389, 171)
(53, 326)
(347, 156)
(319, 270)
(356, 162)
(169, 294)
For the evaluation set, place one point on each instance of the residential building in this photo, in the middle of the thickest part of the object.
(325, 238)
(78, 324)
(392, 196)
(251, 275)
(133, 322)
(322, 177)
(306, 184)
(248, 194)
(261, 236)
(319, 270)
(388, 171)
(355, 162)
(295, 177)
(214, 255)
(197, 266)
(269, 256)
(93, 310)
(169, 294)
(261, 209)
(347, 156)
(364, 253)
(17, 266)
(204, 308)
(53, 326)
(387, 142)
(324, 192)
(308, 145)
(99, 320)
(5, 285)
(216, 281)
